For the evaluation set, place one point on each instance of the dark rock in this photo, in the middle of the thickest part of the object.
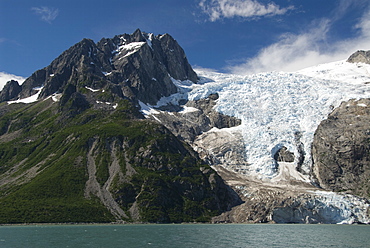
(360, 57)
(72, 102)
(10, 91)
(284, 155)
(341, 149)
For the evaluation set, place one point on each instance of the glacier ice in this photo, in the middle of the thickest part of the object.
(277, 108)
(282, 109)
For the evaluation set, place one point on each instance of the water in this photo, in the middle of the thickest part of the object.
(197, 235)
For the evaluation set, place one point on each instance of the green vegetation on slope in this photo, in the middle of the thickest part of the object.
(44, 170)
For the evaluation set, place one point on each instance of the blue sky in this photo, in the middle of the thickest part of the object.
(238, 36)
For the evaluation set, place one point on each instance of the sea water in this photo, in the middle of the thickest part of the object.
(185, 235)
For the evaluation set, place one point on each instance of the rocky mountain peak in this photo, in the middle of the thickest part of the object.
(360, 57)
(139, 66)
(10, 91)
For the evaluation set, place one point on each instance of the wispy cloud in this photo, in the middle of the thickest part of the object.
(297, 51)
(47, 14)
(217, 9)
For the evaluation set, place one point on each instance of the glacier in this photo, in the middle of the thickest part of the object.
(278, 108)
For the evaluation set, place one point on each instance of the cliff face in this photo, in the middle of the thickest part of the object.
(341, 149)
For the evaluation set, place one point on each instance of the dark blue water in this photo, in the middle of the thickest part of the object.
(197, 235)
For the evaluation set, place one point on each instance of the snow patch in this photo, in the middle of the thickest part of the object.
(149, 40)
(56, 97)
(147, 109)
(106, 73)
(107, 103)
(91, 89)
(29, 99)
(188, 110)
(128, 49)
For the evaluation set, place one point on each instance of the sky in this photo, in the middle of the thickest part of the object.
(232, 36)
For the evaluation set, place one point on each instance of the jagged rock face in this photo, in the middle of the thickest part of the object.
(10, 91)
(360, 57)
(341, 149)
(138, 66)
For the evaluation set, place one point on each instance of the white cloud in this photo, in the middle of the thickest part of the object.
(5, 77)
(217, 9)
(47, 14)
(297, 51)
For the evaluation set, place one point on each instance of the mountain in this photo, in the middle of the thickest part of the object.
(125, 130)
(75, 148)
